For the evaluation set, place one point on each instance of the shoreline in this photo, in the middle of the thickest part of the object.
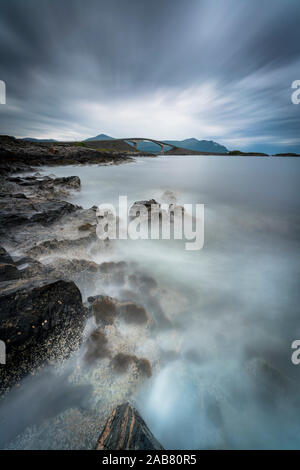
(48, 293)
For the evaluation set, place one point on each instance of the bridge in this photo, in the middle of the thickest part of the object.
(136, 140)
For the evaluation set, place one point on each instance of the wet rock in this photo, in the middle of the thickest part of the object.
(40, 321)
(107, 309)
(122, 361)
(47, 186)
(130, 312)
(104, 309)
(139, 207)
(86, 227)
(8, 269)
(126, 430)
(31, 268)
(5, 256)
(97, 346)
(114, 271)
(8, 272)
(49, 246)
(142, 281)
(15, 211)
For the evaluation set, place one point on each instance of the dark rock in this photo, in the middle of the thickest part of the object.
(107, 309)
(50, 246)
(15, 211)
(130, 312)
(122, 361)
(5, 256)
(104, 309)
(96, 346)
(8, 272)
(139, 206)
(86, 227)
(126, 430)
(39, 321)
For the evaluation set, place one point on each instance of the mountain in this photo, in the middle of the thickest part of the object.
(99, 137)
(191, 144)
(199, 145)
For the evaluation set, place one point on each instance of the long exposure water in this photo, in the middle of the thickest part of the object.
(230, 381)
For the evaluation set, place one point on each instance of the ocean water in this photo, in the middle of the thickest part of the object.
(227, 380)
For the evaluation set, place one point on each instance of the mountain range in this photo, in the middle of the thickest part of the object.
(191, 144)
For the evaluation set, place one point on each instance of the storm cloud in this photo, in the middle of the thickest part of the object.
(166, 69)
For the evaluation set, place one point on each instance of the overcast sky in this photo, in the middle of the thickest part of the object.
(166, 69)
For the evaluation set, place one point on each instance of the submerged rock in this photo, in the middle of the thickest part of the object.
(122, 361)
(107, 309)
(97, 346)
(140, 206)
(126, 430)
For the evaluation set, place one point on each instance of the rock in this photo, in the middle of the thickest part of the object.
(104, 309)
(15, 211)
(86, 227)
(115, 271)
(107, 309)
(8, 272)
(139, 206)
(5, 256)
(142, 281)
(8, 269)
(40, 321)
(121, 362)
(96, 346)
(47, 186)
(131, 312)
(126, 430)
(21, 155)
(49, 246)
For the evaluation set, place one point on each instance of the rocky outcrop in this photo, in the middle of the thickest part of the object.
(45, 186)
(18, 209)
(40, 321)
(126, 430)
(21, 155)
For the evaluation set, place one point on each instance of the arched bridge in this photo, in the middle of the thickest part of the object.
(136, 140)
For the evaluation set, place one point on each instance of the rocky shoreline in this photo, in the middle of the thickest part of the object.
(50, 285)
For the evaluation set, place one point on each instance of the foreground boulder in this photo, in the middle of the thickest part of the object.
(126, 430)
(40, 322)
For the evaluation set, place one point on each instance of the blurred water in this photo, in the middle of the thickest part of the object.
(230, 382)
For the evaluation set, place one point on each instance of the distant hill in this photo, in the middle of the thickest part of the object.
(199, 145)
(32, 139)
(99, 137)
(191, 144)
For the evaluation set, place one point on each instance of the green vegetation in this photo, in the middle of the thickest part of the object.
(80, 144)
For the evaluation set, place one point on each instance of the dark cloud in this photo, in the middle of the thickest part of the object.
(166, 68)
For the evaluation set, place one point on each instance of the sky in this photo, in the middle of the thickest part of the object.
(165, 69)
